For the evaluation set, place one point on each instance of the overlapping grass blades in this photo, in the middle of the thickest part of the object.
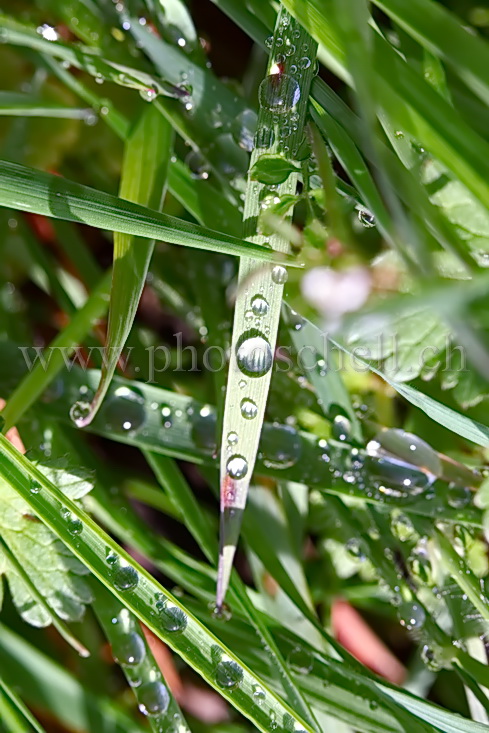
(283, 108)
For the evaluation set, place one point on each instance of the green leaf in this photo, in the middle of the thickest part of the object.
(144, 173)
(271, 169)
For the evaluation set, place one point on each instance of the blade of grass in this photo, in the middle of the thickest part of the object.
(15, 713)
(44, 193)
(144, 173)
(13, 104)
(259, 291)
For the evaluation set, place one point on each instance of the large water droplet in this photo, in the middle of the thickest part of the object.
(171, 618)
(124, 411)
(131, 650)
(243, 129)
(411, 615)
(279, 93)
(259, 306)
(237, 467)
(281, 446)
(254, 355)
(409, 448)
(279, 275)
(125, 578)
(249, 410)
(199, 166)
(228, 675)
(458, 496)
(153, 698)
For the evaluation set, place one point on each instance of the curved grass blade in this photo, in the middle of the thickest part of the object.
(31, 190)
(144, 174)
(18, 717)
(138, 591)
(130, 649)
(259, 297)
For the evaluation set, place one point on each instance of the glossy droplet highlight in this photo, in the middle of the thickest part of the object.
(34, 486)
(79, 412)
(75, 525)
(259, 306)
(131, 650)
(237, 467)
(228, 675)
(125, 578)
(279, 275)
(166, 416)
(411, 616)
(409, 448)
(153, 698)
(279, 93)
(124, 411)
(259, 694)
(254, 355)
(232, 438)
(366, 219)
(249, 410)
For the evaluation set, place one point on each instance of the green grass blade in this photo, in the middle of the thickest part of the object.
(13, 104)
(144, 173)
(15, 714)
(131, 650)
(30, 190)
(259, 296)
(137, 590)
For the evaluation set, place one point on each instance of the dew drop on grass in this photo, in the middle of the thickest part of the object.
(75, 525)
(125, 578)
(232, 438)
(171, 618)
(366, 219)
(402, 527)
(34, 486)
(166, 415)
(131, 650)
(409, 448)
(411, 616)
(111, 557)
(458, 496)
(300, 660)
(254, 355)
(229, 675)
(264, 137)
(199, 166)
(279, 93)
(259, 694)
(221, 613)
(355, 549)
(124, 411)
(243, 129)
(237, 467)
(153, 698)
(279, 275)
(259, 306)
(341, 428)
(79, 411)
(149, 94)
(281, 447)
(249, 410)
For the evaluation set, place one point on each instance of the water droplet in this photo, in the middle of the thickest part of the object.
(232, 438)
(355, 549)
(48, 32)
(264, 137)
(279, 275)
(34, 486)
(249, 410)
(366, 218)
(301, 660)
(242, 383)
(131, 650)
(435, 657)
(199, 166)
(402, 527)
(304, 62)
(75, 525)
(124, 411)
(341, 428)
(125, 578)
(166, 415)
(204, 429)
(237, 467)
(243, 129)
(149, 94)
(411, 615)
(269, 41)
(111, 557)
(153, 698)
(228, 675)
(254, 355)
(259, 306)
(458, 496)
(279, 93)
(409, 448)
(259, 694)
(281, 446)
(172, 618)
(79, 412)
(222, 613)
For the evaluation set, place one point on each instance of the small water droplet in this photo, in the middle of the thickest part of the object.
(79, 412)
(125, 578)
(411, 616)
(279, 275)
(222, 613)
(304, 62)
(199, 166)
(237, 467)
(153, 698)
(34, 486)
(254, 354)
(366, 218)
(279, 93)
(232, 438)
(172, 618)
(111, 557)
(259, 694)
(131, 650)
(149, 94)
(166, 415)
(402, 527)
(124, 411)
(341, 428)
(458, 496)
(242, 383)
(228, 675)
(264, 137)
(301, 660)
(75, 525)
(259, 306)
(249, 410)
(243, 129)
